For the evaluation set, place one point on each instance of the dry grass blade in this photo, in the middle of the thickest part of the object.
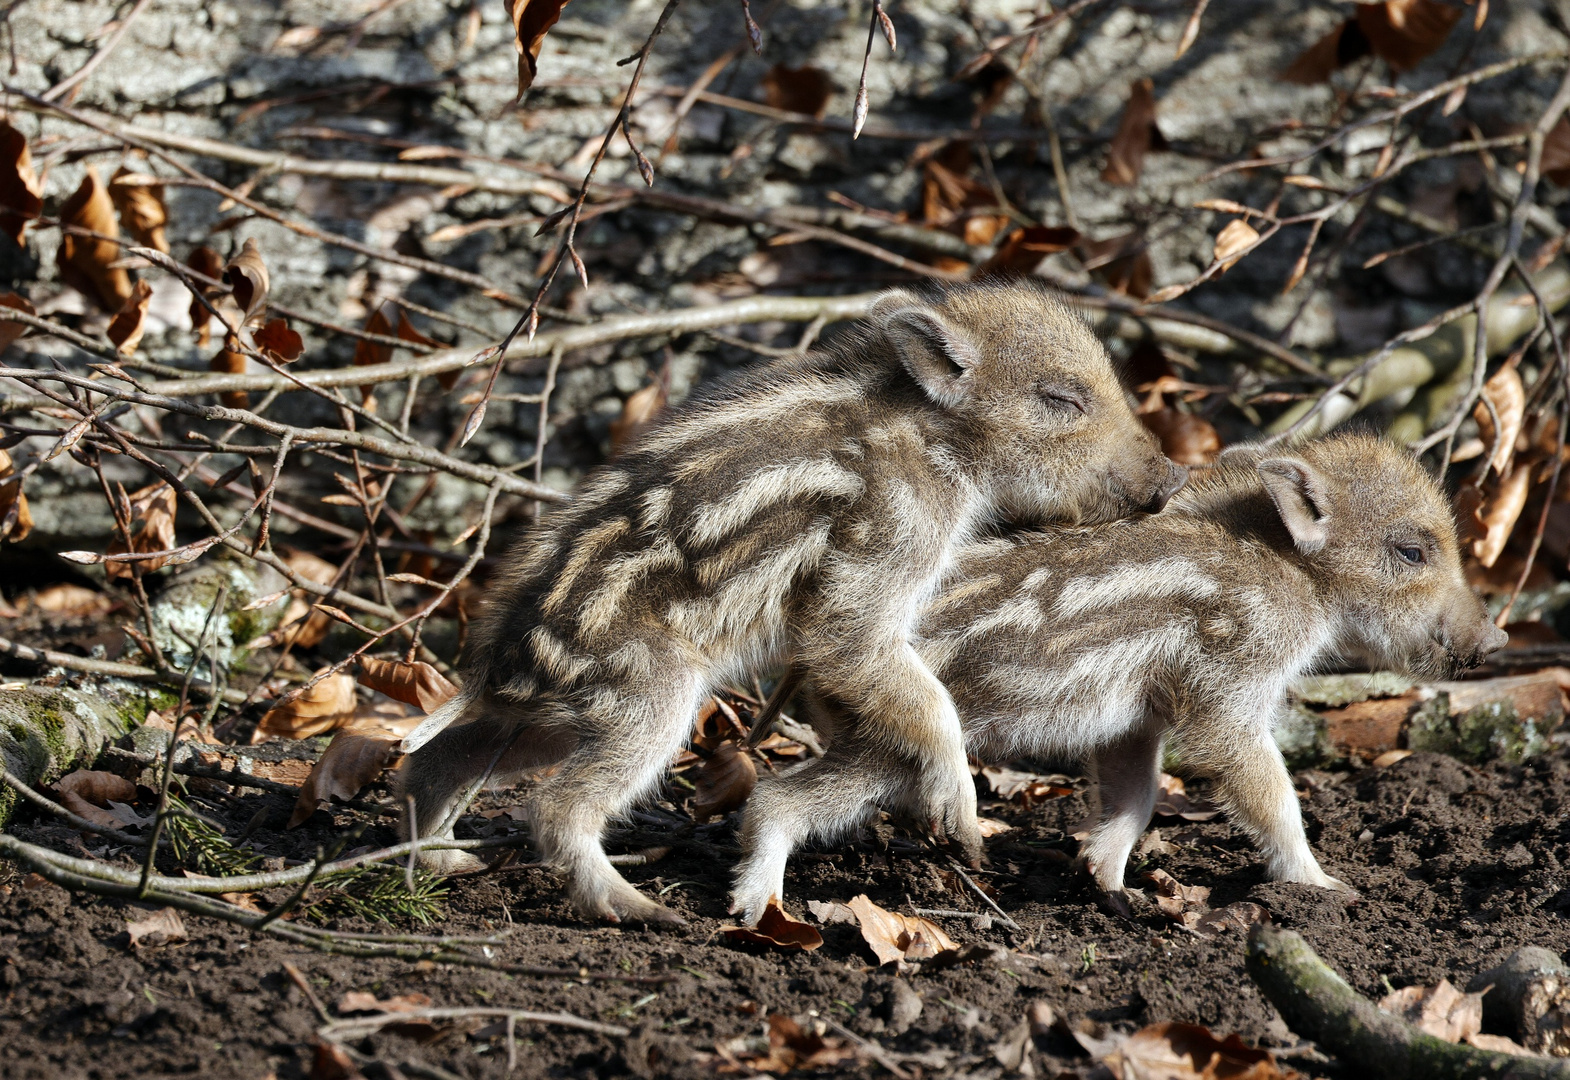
(1191, 28)
(86, 262)
(128, 325)
(142, 210)
(21, 197)
(531, 21)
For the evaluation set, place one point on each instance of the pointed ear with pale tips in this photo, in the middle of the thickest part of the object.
(937, 354)
(1298, 491)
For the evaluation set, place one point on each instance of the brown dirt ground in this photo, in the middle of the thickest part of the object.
(1453, 866)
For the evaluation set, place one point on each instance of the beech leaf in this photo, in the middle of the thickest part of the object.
(128, 325)
(21, 196)
(246, 274)
(152, 529)
(85, 262)
(328, 705)
(417, 684)
(141, 208)
(778, 929)
(724, 781)
(895, 937)
(531, 21)
(279, 342)
(806, 89)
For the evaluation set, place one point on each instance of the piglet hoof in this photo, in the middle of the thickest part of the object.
(448, 863)
(631, 906)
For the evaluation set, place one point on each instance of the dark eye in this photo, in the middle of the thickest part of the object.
(1062, 399)
(1411, 553)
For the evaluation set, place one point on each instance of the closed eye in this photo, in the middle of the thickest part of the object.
(1059, 399)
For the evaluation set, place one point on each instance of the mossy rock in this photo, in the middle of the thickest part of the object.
(181, 609)
(45, 732)
(1492, 731)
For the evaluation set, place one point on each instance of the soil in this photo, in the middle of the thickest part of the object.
(1453, 867)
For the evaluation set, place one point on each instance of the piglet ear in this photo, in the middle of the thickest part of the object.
(937, 354)
(1298, 491)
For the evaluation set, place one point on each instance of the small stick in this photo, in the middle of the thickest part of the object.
(1002, 917)
(299, 980)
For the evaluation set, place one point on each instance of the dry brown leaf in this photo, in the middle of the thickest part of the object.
(328, 705)
(1232, 241)
(367, 353)
(1024, 249)
(68, 601)
(894, 937)
(360, 1001)
(85, 261)
(311, 567)
(1026, 788)
(246, 274)
(1122, 262)
(829, 912)
(162, 927)
(1172, 896)
(1173, 1051)
(21, 197)
(1341, 46)
(279, 342)
(231, 360)
(1389, 758)
(1441, 1011)
(1239, 917)
(406, 332)
(332, 1062)
(992, 826)
(724, 781)
(207, 262)
(806, 89)
(643, 407)
(417, 684)
(1403, 32)
(16, 519)
(128, 325)
(1185, 438)
(778, 929)
(141, 210)
(1505, 392)
(11, 331)
(1498, 514)
(1136, 136)
(1173, 801)
(950, 197)
(531, 21)
(88, 794)
(1191, 28)
(793, 1048)
(352, 760)
(152, 529)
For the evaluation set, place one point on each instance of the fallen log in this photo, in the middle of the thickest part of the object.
(1317, 1004)
(1531, 996)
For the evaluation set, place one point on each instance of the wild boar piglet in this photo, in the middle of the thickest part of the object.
(1190, 624)
(805, 511)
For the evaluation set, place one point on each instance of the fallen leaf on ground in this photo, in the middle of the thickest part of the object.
(828, 912)
(1013, 1050)
(1122, 262)
(417, 684)
(1505, 392)
(246, 274)
(85, 261)
(141, 210)
(279, 342)
(1024, 249)
(360, 1001)
(1136, 136)
(1441, 1011)
(531, 21)
(16, 518)
(951, 197)
(1239, 916)
(642, 408)
(328, 705)
(152, 511)
(207, 262)
(68, 601)
(11, 331)
(894, 937)
(778, 929)
(1172, 896)
(1173, 1051)
(992, 826)
(1173, 801)
(88, 794)
(1404, 32)
(724, 781)
(1390, 757)
(1026, 788)
(21, 197)
(1185, 438)
(333, 1062)
(1236, 236)
(130, 322)
(162, 927)
(806, 89)
(352, 760)
(792, 1048)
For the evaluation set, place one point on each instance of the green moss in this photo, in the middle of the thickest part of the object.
(1490, 732)
(1300, 735)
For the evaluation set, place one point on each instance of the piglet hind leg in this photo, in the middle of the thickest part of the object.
(1126, 776)
(1256, 790)
(628, 737)
(821, 799)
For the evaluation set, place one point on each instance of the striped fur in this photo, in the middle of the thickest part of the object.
(1100, 643)
(806, 511)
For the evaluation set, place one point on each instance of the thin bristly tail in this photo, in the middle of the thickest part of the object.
(437, 722)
